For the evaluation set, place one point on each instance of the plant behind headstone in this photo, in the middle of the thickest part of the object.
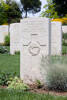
(56, 74)
(7, 40)
(3, 50)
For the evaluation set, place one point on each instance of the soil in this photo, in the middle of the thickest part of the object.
(3, 87)
(42, 90)
(49, 92)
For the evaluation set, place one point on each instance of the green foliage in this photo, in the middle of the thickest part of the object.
(3, 50)
(49, 10)
(57, 77)
(3, 15)
(64, 43)
(17, 84)
(56, 74)
(5, 77)
(13, 13)
(9, 12)
(64, 39)
(65, 36)
(32, 6)
(7, 40)
(60, 7)
(39, 84)
(64, 50)
(17, 52)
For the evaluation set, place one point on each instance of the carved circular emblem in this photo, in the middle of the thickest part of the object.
(34, 49)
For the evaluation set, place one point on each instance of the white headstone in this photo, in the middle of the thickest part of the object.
(35, 45)
(14, 38)
(3, 32)
(56, 38)
(64, 29)
(35, 41)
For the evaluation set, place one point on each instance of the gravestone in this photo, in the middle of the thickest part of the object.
(56, 38)
(3, 33)
(64, 29)
(15, 38)
(16, 35)
(35, 44)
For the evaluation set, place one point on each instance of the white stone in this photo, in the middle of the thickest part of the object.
(15, 38)
(56, 38)
(64, 29)
(35, 44)
(3, 33)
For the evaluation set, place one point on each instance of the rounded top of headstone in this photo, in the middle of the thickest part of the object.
(14, 24)
(56, 22)
(34, 19)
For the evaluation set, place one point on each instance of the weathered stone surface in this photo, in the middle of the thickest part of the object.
(56, 38)
(3, 32)
(15, 38)
(34, 45)
(64, 29)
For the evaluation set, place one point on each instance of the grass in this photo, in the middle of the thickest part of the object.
(64, 50)
(9, 63)
(19, 95)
